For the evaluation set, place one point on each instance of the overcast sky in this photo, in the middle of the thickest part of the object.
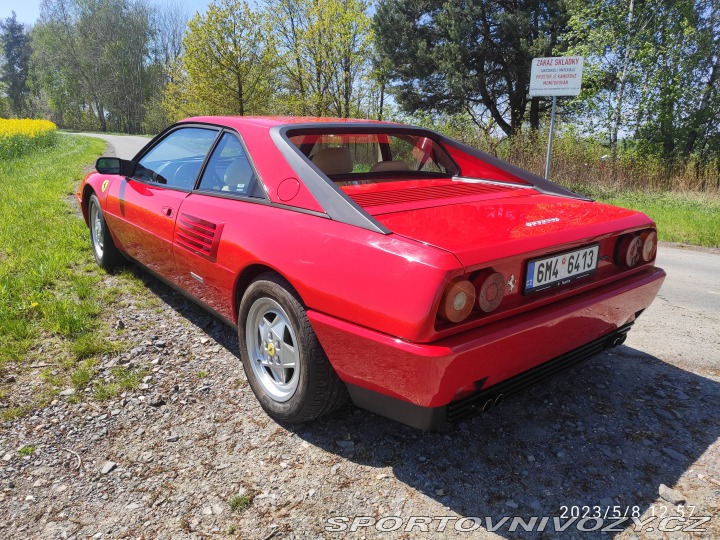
(29, 10)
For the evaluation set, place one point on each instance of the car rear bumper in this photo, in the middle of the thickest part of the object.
(426, 385)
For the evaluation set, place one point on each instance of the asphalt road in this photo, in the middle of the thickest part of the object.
(681, 327)
(122, 146)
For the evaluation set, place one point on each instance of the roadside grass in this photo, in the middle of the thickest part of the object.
(684, 217)
(123, 379)
(51, 296)
(239, 503)
(83, 373)
(90, 345)
(27, 450)
(691, 218)
(11, 413)
(42, 244)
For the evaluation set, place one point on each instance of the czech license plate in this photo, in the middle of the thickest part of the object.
(560, 269)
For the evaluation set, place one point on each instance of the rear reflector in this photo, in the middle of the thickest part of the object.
(490, 287)
(629, 251)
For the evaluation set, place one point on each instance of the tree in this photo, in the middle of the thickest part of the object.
(324, 48)
(92, 57)
(289, 21)
(168, 23)
(652, 71)
(378, 80)
(614, 37)
(127, 52)
(228, 64)
(669, 77)
(471, 56)
(347, 47)
(704, 120)
(15, 68)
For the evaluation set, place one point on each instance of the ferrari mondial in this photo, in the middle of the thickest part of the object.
(419, 277)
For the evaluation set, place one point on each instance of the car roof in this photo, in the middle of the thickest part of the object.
(238, 122)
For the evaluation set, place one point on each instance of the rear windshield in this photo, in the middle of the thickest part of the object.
(372, 157)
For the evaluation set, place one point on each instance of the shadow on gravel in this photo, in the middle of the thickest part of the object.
(214, 327)
(603, 434)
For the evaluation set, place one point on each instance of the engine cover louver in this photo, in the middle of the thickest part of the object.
(198, 235)
(377, 198)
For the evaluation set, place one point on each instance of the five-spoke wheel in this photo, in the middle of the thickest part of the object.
(97, 232)
(283, 360)
(273, 349)
(107, 255)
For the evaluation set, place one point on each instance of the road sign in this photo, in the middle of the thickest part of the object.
(559, 76)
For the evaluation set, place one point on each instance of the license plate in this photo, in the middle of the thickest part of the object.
(560, 269)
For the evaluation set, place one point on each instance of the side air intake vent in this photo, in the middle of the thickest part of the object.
(198, 235)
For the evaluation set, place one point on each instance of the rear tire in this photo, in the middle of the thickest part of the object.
(106, 253)
(283, 360)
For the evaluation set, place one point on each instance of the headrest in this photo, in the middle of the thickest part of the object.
(334, 160)
(238, 172)
(389, 166)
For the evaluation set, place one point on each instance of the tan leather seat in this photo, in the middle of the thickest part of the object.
(334, 160)
(237, 176)
(389, 166)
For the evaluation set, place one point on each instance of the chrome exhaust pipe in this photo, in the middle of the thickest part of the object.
(619, 340)
(499, 400)
(488, 405)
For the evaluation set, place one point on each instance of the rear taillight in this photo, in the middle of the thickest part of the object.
(457, 301)
(629, 250)
(649, 246)
(490, 287)
(632, 249)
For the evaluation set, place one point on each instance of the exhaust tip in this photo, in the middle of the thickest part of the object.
(499, 400)
(619, 340)
(488, 405)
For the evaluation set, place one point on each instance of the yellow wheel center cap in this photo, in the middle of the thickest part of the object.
(271, 349)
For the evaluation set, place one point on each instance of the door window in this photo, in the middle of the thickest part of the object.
(176, 160)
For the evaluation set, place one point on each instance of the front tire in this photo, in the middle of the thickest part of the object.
(106, 253)
(283, 360)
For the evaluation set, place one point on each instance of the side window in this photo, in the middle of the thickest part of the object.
(176, 160)
(229, 170)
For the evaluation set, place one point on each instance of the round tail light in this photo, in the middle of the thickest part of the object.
(629, 251)
(457, 301)
(490, 287)
(649, 245)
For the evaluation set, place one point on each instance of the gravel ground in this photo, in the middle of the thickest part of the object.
(190, 454)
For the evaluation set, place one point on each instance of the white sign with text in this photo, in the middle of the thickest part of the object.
(559, 76)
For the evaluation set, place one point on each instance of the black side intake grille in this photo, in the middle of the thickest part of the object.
(473, 404)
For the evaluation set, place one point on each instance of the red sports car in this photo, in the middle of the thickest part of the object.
(419, 277)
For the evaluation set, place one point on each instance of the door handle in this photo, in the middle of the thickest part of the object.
(167, 211)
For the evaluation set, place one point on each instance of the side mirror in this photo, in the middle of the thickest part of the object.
(112, 165)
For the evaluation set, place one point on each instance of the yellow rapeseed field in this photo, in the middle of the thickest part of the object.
(20, 136)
